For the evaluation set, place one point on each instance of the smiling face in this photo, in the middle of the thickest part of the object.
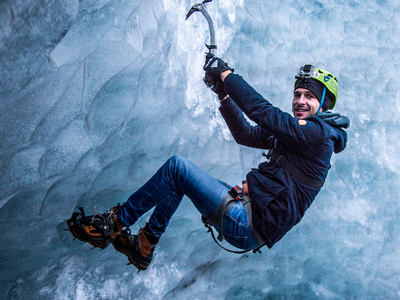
(305, 104)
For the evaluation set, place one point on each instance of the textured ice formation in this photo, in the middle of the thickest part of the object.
(96, 95)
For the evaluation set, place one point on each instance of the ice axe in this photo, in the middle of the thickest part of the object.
(202, 8)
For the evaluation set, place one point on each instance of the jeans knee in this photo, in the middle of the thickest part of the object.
(176, 161)
(180, 168)
(175, 158)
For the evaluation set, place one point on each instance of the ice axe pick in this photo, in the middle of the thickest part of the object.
(202, 8)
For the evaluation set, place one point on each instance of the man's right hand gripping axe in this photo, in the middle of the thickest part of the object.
(214, 66)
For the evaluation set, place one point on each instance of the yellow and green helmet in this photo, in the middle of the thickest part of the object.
(329, 82)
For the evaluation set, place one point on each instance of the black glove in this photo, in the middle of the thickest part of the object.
(214, 66)
(216, 85)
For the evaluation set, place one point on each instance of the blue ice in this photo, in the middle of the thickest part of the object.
(96, 95)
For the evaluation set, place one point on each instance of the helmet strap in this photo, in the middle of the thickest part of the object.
(322, 101)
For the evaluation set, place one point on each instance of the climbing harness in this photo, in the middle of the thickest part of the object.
(234, 195)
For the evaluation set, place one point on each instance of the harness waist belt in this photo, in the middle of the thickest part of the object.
(218, 215)
(226, 204)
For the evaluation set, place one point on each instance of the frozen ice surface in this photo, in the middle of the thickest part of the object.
(96, 95)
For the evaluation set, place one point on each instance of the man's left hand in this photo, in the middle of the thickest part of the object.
(216, 85)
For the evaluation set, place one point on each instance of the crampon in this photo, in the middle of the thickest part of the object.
(137, 248)
(99, 230)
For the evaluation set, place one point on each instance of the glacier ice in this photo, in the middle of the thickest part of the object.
(96, 95)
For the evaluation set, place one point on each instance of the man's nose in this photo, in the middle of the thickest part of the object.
(302, 99)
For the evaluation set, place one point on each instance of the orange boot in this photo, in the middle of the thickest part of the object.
(137, 248)
(99, 230)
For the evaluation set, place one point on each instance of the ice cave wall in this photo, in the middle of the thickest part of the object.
(96, 95)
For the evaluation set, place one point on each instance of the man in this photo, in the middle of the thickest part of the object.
(281, 189)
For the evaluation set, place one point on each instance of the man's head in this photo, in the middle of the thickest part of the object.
(305, 104)
(315, 90)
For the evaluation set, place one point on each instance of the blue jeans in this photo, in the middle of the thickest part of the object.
(165, 190)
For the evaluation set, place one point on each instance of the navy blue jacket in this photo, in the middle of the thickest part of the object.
(279, 200)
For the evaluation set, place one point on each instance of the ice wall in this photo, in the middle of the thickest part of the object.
(97, 94)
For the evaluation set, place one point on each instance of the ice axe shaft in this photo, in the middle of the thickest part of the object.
(202, 8)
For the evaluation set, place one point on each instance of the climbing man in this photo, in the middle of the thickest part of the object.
(274, 196)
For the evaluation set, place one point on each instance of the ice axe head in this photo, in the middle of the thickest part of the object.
(196, 7)
(201, 8)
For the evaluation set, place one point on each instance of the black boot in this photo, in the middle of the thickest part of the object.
(138, 248)
(99, 230)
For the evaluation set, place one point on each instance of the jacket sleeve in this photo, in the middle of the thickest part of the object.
(299, 138)
(242, 131)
